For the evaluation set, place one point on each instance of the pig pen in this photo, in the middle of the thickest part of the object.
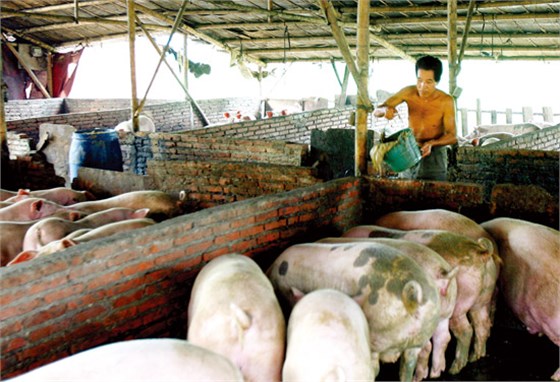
(137, 285)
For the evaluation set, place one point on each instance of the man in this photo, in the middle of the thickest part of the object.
(431, 116)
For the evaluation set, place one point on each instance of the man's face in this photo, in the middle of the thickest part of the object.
(425, 83)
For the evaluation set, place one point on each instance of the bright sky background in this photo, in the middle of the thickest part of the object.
(103, 72)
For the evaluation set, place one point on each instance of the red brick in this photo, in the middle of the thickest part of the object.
(128, 299)
(104, 280)
(89, 313)
(198, 248)
(13, 344)
(218, 252)
(139, 268)
(61, 294)
(39, 317)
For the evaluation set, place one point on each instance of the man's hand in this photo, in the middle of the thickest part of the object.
(385, 111)
(426, 149)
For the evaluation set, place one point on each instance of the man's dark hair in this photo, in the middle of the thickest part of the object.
(430, 63)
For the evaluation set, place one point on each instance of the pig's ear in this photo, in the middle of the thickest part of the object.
(336, 374)
(67, 243)
(23, 257)
(241, 318)
(23, 192)
(411, 296)
(35, 208)
(74, 215)
(298, 295)
(141, 213)
(89, 195)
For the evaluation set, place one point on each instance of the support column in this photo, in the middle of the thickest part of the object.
(452, 44)
(132, 54)
(363, 104)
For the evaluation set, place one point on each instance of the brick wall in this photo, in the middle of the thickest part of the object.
(480, 202)
(521, 167)
(88, 114)
(137, 285)
(24, 109)
(544, 139)
(210, 183)
(292, 128)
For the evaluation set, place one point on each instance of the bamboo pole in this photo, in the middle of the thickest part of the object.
(27, 69)
(340, 38)
(132, 53)
(452, 45)
(343, 88)
(362, 55)
(466, 32)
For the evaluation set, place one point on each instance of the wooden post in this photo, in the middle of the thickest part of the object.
(548, 115)
(509, 115)
(464, 121)
(362, 54)
(343, 88)
(494, 117)
(527, 113)
(49, 73)
(185, 64)
(478, 113)
(132, 54)
(452, 44)
(342, 44)
(3, 128)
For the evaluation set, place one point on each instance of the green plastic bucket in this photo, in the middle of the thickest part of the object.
(405, 153)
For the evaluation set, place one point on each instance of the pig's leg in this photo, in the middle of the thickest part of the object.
(375, 363)
(440, 341)
(556, 375)
(481, 322)
(463, 331)
(408, 363)
(422, 364)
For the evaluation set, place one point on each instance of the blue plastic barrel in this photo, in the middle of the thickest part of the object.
(96, 148)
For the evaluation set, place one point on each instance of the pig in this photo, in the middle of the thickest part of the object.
(99, 232)
(475, 286)
(60, 195)
(530, 277)
(327, 340)
(51, 228)
(161, 359)
(514, 129)
(234, 312)
(445, 277)
(145, 124)
(159, 203)
(400, 301)
(7, 194)
(15, 231)
(441, 219)
(29, 209)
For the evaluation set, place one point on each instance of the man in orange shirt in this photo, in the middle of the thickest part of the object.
(431, 116)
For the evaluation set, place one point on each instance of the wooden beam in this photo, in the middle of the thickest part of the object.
(391, 47)
(479, 18)
(27, 69)
(3, 128)
(32, 40)
(363, 107)
(178, 20)
(184, 85)
(443, 8)
(466, 32)
(60, 7)
(132, 53)
(340, 38)
(194, 32)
